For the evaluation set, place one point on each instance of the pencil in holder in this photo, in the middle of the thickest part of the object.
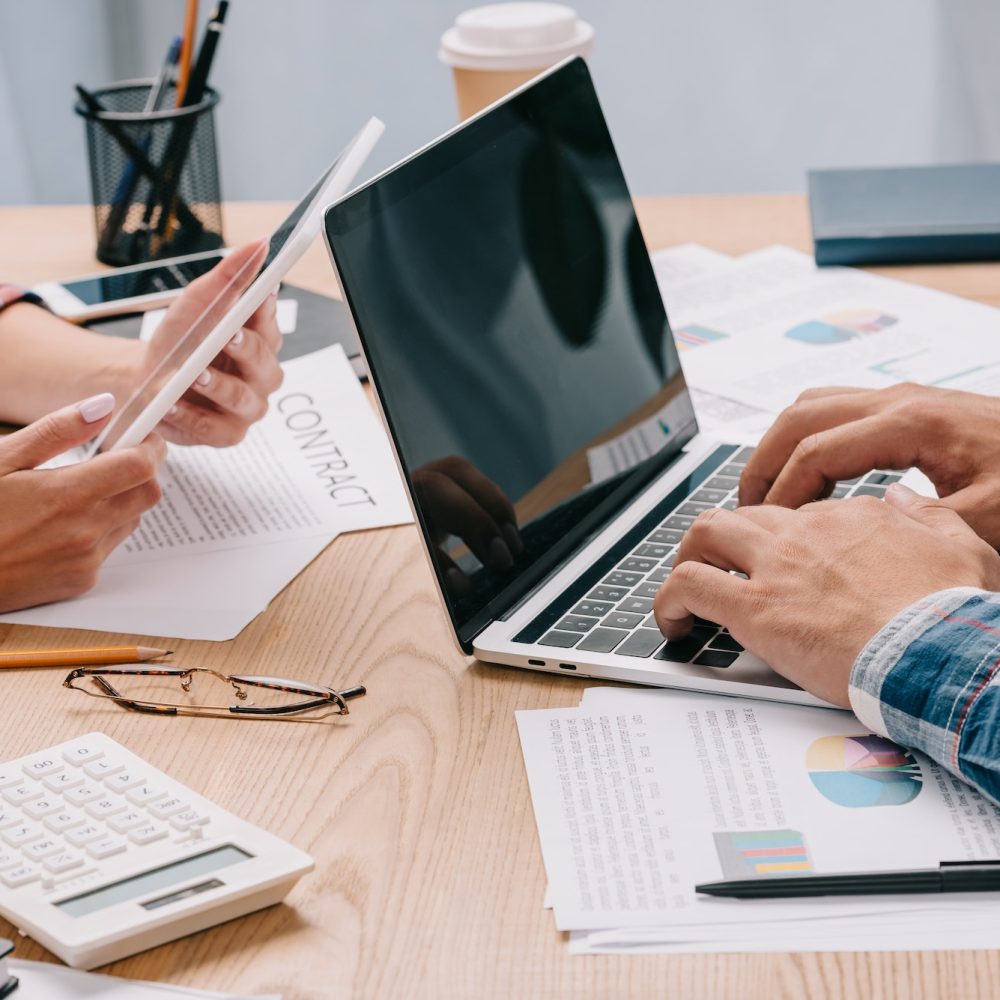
(154, 175)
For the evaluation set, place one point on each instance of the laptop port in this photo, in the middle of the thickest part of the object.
(567, 666)
(536, 663)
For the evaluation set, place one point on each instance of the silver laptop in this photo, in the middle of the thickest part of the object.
(528, 376)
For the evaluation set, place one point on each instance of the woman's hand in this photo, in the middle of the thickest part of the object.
(231, 394)
(57, 526)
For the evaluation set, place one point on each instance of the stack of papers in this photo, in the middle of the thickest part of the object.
(753, 332)
(640, 795)
(236, 525)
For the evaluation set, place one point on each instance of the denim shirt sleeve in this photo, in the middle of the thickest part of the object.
(930, 680)
(9, 294)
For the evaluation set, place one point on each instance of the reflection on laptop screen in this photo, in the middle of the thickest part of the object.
(516, 336)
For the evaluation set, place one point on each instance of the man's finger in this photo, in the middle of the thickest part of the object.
(936, 514)
(695, 590)
(55, 433)
(884, 441)
(815, 410)
(727, 540)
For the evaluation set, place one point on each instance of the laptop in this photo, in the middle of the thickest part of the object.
(521, 355)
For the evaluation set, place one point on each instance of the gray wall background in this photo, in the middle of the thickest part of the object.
(719, 95)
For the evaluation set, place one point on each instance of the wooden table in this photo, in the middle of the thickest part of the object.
(429, 878)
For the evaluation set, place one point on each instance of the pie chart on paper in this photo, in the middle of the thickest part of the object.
(862, 771)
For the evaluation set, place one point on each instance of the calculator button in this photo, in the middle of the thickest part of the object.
(10, 778)
(42, 849)
(102, 769)
(145, 794)
(161, 810)
(9, 817)
(64, 861)
(105, 847)
(81, 754)
(106, 807)
(126, 781)
(40, 767)
(42, 807)
(65, 819)
(187, 819)
(22, 793)
(64, 781)
(22, 834)
(81, 835)
(8, 859)
(148, 833)
(21, 875)
(125, 822)
(84, 794)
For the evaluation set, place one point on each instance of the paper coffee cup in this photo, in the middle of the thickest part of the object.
(493, 49)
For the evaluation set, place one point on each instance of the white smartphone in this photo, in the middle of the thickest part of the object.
(220, 320)
(125, 289)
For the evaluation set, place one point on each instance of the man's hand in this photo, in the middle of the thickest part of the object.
(231, 394)
(838, 433)
(58, 525)
(822, 580)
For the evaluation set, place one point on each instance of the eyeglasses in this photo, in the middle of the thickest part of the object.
(157, 691)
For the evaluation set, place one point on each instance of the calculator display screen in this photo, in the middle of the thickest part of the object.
(157, 878)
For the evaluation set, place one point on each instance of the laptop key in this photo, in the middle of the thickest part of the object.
(686, 649)
(743, 455)
(726, 483)
(563, 639)
(694, 509)
(711, 497)
(882, 478)
(666, 537)
(715, 658)
(602, 640)
(576, 623)
(725, 641)
(659, 575)
(595, 609)
(731, 504)
(652, 551)
(734, 471)
(636, 564)
(839, 492)
(646, 590)
(679, 522)
(869, 491)
(620, 578)
(635, 605)
(608, 593)
(621, 619)
(668, 563)
(642, 642)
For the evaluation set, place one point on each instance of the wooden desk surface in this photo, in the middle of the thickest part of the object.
(429, 879)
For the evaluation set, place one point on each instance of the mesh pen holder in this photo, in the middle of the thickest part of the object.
(154, 175)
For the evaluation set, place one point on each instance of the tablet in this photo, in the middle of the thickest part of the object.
(236, 303)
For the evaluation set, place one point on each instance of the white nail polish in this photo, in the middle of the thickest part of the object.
(204, 378)
(96, 407)
(237, 338)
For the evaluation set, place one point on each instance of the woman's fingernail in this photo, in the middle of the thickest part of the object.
(512, 537)
(237, 338)
(96, 407)
(173, 411)
(204, 378)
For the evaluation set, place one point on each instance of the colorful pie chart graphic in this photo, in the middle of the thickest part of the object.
(862, 771)
(840, 327)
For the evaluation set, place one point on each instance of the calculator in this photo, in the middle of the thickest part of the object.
(102, 855)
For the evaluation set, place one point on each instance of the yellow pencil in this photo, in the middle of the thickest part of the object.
(80, 657)
(187, 50)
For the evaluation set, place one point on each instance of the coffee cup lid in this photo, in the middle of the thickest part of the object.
(512, 36)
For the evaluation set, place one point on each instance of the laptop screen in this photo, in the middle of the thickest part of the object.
(516, 337)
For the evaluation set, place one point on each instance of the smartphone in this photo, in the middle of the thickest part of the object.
(237, 302)
(126, 289)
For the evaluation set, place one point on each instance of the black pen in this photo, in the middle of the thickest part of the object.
(949, 876)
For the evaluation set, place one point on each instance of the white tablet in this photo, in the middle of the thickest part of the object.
(220, 320)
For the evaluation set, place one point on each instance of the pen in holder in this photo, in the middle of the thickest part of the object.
(154, 174)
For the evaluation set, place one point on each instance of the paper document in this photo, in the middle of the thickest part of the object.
(638, 796)
(43, 981)
(236, 525)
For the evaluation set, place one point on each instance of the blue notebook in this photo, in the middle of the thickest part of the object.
(906, 215)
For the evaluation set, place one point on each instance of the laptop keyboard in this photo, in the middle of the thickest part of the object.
(615, 615)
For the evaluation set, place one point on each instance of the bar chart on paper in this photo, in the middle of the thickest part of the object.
(762, 853)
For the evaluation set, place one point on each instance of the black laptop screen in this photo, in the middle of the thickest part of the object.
(516, 336)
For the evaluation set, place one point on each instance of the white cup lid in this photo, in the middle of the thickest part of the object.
(512, 36)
